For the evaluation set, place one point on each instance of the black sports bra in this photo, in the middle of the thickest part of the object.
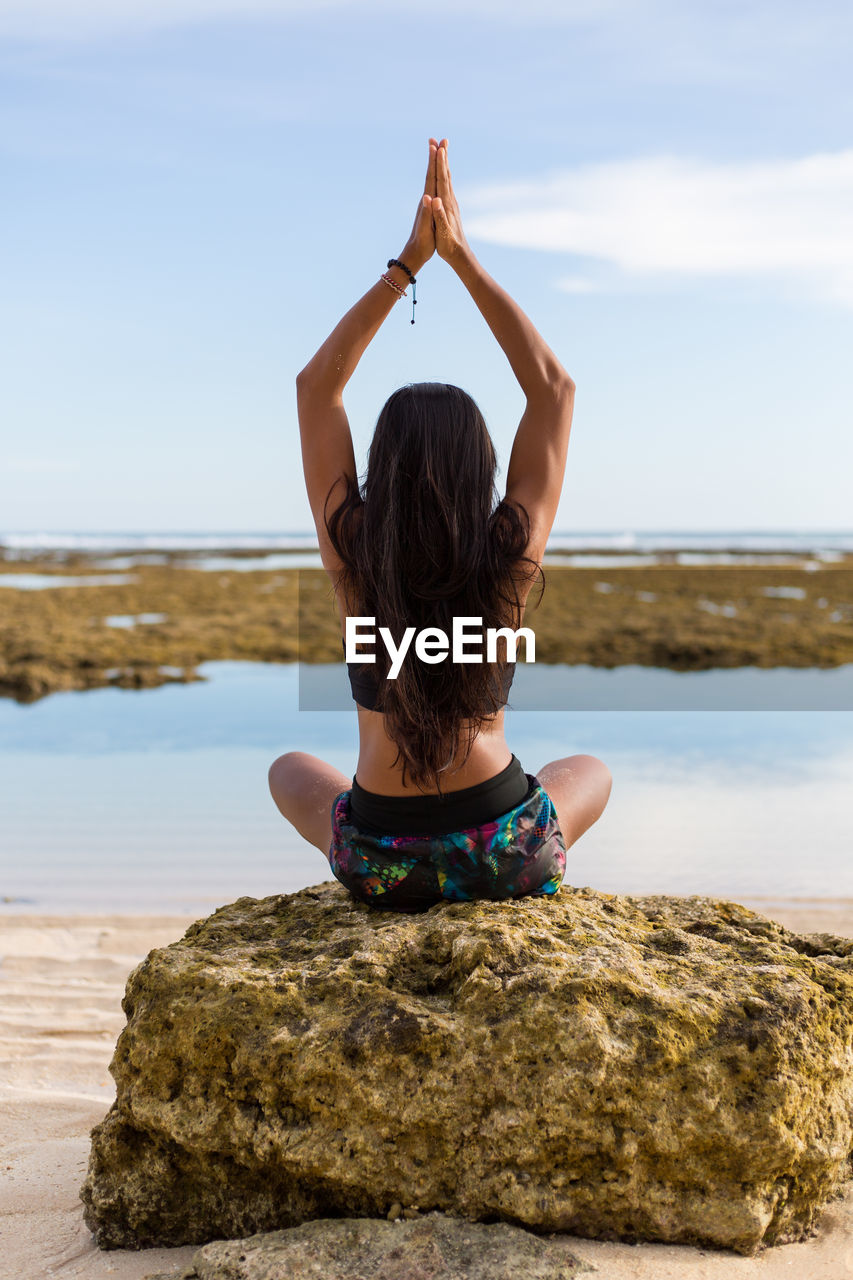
(365, 686)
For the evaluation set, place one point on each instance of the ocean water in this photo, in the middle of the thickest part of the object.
(157, 800)
(560, 687)
(627, 540)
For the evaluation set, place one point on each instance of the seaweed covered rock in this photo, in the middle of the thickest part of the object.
(672, 1069)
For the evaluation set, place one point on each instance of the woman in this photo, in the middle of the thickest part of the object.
(439, 808)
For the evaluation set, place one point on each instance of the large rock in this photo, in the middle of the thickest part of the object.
(635, 1068)
(433, 1248)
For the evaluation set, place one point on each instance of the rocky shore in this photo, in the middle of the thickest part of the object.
(61, 985)
(159, 617)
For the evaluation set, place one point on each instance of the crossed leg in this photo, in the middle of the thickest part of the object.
(580, 788)
(304, 786)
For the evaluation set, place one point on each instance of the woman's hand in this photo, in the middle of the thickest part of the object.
(421, 243)
(450, 239)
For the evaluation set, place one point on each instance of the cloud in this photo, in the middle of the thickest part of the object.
(579, 284)
(667, 217)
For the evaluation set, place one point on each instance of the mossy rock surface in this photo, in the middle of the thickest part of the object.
(433, 1248)
(682, 617)
(670, 1069)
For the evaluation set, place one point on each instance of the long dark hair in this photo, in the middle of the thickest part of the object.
(424, 538)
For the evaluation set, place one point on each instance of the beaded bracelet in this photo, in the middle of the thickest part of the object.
(395, 262)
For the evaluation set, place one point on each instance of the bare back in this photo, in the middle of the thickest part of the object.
(376, 770)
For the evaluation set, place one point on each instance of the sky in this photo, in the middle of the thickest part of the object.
(195, 191)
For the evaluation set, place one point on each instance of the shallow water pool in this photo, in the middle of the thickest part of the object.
(157, 799)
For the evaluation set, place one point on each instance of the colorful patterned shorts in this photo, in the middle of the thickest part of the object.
(520, 853)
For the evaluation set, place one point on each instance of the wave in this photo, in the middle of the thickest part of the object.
(722, 540)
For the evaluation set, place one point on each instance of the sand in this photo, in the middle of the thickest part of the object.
(61, 983)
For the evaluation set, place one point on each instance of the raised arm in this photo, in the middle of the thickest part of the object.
(538, 459)
(327, 451)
